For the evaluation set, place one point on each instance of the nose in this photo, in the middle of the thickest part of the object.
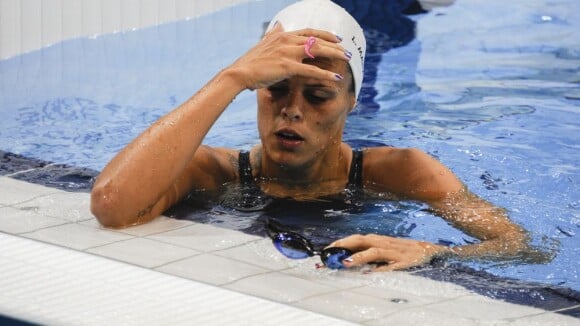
(292, 110)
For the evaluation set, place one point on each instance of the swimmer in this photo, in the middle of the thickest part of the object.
(307, 73)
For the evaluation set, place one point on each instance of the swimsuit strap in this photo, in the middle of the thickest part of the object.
(245, 169)
(356, 167)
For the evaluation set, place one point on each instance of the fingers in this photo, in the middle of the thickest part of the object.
(371, 255)
(280, 55)
(321, 48)
(325, 44)
(374, 249)
(320, 34)
(312, 71)
(359, 242)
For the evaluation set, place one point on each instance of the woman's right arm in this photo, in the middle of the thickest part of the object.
(167, 160)
(151, 173)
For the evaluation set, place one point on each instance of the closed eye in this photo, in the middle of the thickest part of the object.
(278, 90)
(318, 96)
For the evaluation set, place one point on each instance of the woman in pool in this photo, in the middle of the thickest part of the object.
(307, 72)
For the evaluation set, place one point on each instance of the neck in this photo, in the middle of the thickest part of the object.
(325, 174)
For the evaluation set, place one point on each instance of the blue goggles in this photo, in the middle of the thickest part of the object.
(296, 246)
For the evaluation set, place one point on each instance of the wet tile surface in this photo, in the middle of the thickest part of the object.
(143, 252)
(15, 191)
(280, 287)
(211, 269)
(204, 237)
(250, 265)
(15, 221)
(76, 236)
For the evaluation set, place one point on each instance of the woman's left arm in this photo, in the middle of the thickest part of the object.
(421, 177)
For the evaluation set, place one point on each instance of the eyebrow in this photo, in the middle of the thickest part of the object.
(321, 86)
(281, 83)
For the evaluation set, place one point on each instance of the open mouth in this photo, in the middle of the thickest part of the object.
(288, 135)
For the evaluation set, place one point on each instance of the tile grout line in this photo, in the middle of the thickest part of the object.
(42, 228)
(199, 253)
(249, 276)
(13, 205)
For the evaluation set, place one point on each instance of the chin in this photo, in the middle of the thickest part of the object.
(289, 159)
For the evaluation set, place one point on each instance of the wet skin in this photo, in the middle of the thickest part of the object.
(302, 109)
(300, 122)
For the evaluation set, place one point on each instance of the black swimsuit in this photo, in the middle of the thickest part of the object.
(253, 199)
(354, 177)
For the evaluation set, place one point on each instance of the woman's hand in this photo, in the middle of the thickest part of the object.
(395, 252)
(279, 56)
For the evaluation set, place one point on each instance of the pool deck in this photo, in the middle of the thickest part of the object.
(59, 266)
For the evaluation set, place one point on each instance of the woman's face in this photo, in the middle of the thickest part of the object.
(301, 119)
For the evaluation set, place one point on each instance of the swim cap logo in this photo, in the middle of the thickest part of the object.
(360, 51)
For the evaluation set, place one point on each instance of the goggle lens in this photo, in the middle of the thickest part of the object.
(290, 247)
(332, 257)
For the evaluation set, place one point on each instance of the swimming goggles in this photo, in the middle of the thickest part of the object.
(296, 246)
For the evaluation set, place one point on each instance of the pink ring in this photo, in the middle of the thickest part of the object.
(308, 45)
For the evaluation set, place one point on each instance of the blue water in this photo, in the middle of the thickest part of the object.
(492, 89)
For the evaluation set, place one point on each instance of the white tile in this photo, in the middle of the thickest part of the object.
(76, 236)
(405, 282)
(279, 287)
(340, 279)
(143, 252)
(67, 287)
(547, 318)
(350, 306)
(158, 225)
(425, 316)
(14, 191)
(16, 221)
(204, 237)
(211, 269)
(260, 252)
(69, 206)
(483, 308)
(403, 298)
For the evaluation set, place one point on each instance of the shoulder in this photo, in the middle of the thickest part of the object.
(407, 172)
(213, 166)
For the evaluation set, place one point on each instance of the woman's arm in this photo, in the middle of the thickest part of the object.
(163, 163)
(146, 177)
(420, 177)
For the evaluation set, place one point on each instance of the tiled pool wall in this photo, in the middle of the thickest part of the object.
(27, 25)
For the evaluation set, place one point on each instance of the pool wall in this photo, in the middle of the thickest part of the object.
(27, 25)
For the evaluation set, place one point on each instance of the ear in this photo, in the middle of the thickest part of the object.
(352, 103)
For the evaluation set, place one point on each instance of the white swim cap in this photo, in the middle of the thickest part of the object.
(328, 16)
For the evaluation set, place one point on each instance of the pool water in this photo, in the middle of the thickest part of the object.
(489, 88)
